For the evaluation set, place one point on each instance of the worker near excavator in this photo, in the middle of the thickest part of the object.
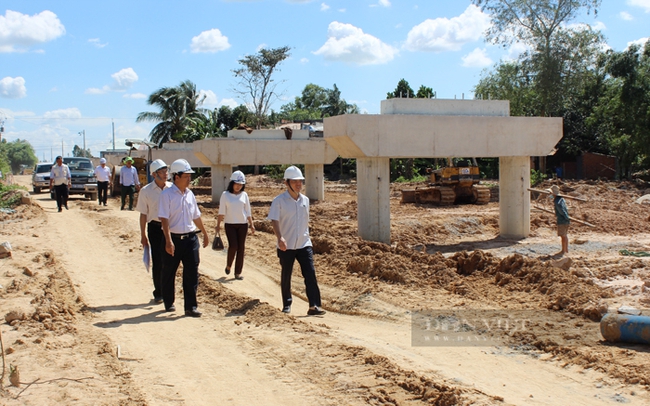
(129, 181)
(289, 215)
(562, 217)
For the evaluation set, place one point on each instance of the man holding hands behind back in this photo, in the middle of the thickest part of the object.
(61, 180)
(180, 217)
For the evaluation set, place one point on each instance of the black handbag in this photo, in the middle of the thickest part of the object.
(217, 244)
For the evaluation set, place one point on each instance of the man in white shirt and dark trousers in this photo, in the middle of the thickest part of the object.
(129, 181)
(61, 180)
(103, 175)
(289, 215)
(148, 207)
(180, 217)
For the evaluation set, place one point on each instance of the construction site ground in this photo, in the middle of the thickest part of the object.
(80, 327)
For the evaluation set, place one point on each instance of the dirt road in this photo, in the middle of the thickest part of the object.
(91, 334)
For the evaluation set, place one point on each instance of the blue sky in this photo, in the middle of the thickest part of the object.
(68, 66)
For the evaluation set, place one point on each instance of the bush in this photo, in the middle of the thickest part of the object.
(10, 195)
(536, 177)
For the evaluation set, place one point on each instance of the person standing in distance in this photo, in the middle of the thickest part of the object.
(103, 175)
(289, 215)
(148, 208)
(562, 217)
(129, 181)
(235, 212)
(180, 217)
(61, 180)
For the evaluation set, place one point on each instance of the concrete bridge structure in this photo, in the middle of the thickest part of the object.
(434, 128)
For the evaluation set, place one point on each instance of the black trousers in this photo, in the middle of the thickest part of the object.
(236, 234)
(186, 251)
(61, 192)
(102, 191)
(127, 190)
(157, 244)
(305, 257)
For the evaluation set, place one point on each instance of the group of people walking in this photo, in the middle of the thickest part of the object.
(170, 221)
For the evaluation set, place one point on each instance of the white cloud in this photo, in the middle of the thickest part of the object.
(444, 34)
(477, 59)
(625, 16)
(516, 49)
(210, 99)
(13, 88)
(304, 60)
(122, 80)
(640, 42)
(299, 1)
(19, 31)
(644, 4)
(324, 7)
(134, 96)
(347, 43)
(210, 41)
(96, 42)
(69, 113)
(342, 10)
(382, 3)
(232, 103)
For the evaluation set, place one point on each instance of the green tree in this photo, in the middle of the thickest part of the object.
(256, 85)
(403, 89)
(17, 153)
(335, 105)
(425, 92)
(78, 151)
(179, 109)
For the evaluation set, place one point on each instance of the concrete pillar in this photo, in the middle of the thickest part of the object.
(220, 178)
(373, 199)
(514, 200)
(314, 182)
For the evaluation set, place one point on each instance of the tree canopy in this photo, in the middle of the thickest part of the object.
(17, 153)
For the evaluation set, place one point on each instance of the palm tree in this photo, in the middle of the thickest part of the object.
(179, 109)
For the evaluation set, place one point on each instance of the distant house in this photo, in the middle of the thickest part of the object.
(590, 165)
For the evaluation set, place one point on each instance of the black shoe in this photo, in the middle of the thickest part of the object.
(227, 271)
(316, 311)
(100, 203)
(60, 209)
(286, 309)
(121, 208)
(193, 313)
(66, 207)
(171, 308)
(158, 300)
(239, 277)
(104, 204)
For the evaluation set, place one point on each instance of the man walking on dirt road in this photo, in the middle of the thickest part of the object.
(61, 179)
(180, 217)
(289, 215)
(148, 207)
(129, 181)
(103, 175)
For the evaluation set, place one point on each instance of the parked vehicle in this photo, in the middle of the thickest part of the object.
(83, 177)
(41, 177)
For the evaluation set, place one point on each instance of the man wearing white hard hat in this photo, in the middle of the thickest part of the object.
(147, 205)
(235, 213)
(289, 215)
(103, 175)
(181, 221)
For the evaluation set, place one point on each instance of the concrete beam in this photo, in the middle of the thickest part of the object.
(423, 136)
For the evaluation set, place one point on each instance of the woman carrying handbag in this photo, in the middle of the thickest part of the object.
(235, 213)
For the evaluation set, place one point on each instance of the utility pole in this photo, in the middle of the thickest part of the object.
(83, 133)
(113, 125)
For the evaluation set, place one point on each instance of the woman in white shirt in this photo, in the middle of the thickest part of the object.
(235, 213)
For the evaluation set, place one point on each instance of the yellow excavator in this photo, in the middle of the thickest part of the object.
(450, 184)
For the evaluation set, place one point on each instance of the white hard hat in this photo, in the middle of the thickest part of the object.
(293, 173)
(102, 161)
(238, 177)
(181, 166)
(156, 165)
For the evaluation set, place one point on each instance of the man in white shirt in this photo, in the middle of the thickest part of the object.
(289, 215)
(60, 180)
(129, 181)
(180, 217)
(148, 201)
(103, 175)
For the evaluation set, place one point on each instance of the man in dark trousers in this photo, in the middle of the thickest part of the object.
(129, 180)
(180, 217)
(289, 215)
(61, 180)
(148, 208)
(103, 175)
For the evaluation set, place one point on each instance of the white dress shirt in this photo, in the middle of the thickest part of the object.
(293, 218)
(129, 176)
(103, 174)
(235, 208)
(60, 174)
(179, 208)
(149, 198)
